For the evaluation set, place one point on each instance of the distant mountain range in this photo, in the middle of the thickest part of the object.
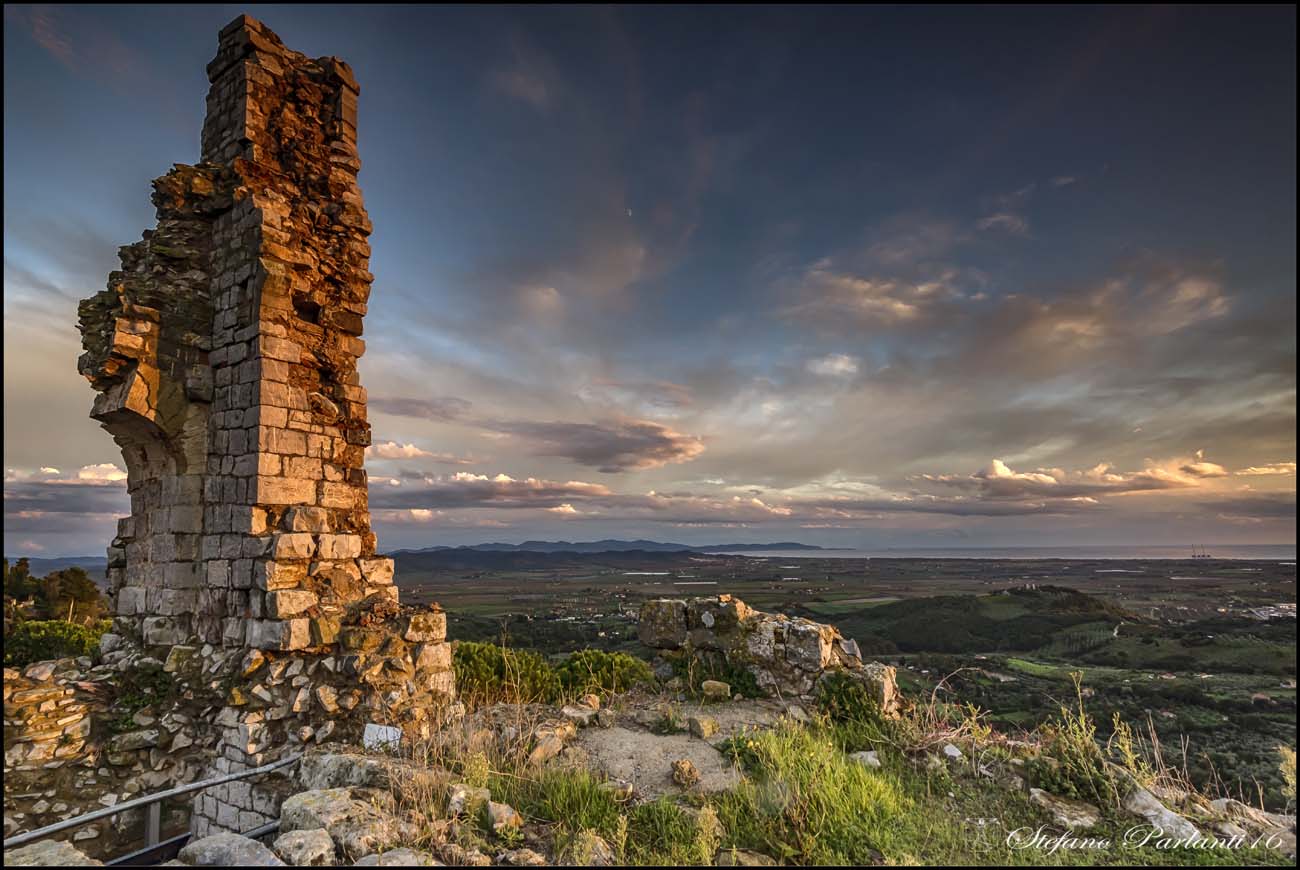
(39, 567)
(613, 546)
(483, 556)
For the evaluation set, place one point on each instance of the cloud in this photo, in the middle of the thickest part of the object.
(648, 397)
(610, 447)
(1272, 468)
(466, 490)
(529, 77)
(397, 452)
(1270, 506)
(52, 501)
(82, 45)
(997, 481)
(441, 408)
(884, 301)
(1005, 221)
(523, 85)
(1199, 467)
(833, 365)
(105, 471)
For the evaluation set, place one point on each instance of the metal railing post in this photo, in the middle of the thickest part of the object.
(153, 824)
(152, 804)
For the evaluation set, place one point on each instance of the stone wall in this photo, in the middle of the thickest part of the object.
(786, 656)
(225, 357)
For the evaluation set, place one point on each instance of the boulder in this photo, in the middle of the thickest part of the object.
(743, 858)
(356, 826)
(1145, 805)
(462, 798)
(685, 773)
(522, 858)
(579, 715)
(399, 858)
(48, 853)
(591, 850)
(1071, 814)
(503, 817)
(335, 770)
(305, 848)
(869, 758)
(458, 856)
(228, 850)
(715, 690)
(702, 727)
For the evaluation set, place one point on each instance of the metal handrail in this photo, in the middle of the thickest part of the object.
(147, 800)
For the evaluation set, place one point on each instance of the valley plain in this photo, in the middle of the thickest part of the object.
(1200, 652)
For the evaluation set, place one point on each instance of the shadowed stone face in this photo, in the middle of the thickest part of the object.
(224, 355)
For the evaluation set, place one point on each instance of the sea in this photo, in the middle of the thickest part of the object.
(1256, 552)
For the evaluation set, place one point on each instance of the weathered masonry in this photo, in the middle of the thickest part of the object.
(224, 353)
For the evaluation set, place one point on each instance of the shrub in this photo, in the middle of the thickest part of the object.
(805, 802)
(487, 673)
(695, 667)
(849, 704)
(1287, 767)
(597, 671)
(1074, 765)
(39, 640)
(660, 833)
(146, 685)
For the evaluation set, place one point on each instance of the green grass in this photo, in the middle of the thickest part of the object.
(803, 801)
(1037, 669)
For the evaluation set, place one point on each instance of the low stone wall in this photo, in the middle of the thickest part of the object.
(388, 667)
(787, 656)
(68, 751)
(72, 746)
(47, 710)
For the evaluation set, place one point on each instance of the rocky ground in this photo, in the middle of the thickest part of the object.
(357, 808)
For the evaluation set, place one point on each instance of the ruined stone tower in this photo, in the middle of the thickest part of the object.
(224, 353)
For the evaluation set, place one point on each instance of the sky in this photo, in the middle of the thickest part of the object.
(863, 277)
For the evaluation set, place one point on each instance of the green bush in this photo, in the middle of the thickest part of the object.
(1074, 764)
(593, 670)
(849, 704)
(487, 674)
(145, 685)
(38, 640)
(696, 666)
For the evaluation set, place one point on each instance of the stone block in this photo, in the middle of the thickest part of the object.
(429, 626)
(378, 572)
(339, 546)
(294, 545)
(285, 491)
(432, 657)
(662, 623)
(306, 519)
(285, 603)
(163, 631)
(270, 575)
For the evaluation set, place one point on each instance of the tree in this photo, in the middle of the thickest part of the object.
(18, 580)
(70, 594)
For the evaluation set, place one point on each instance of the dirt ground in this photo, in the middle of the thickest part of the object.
(634, 752)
